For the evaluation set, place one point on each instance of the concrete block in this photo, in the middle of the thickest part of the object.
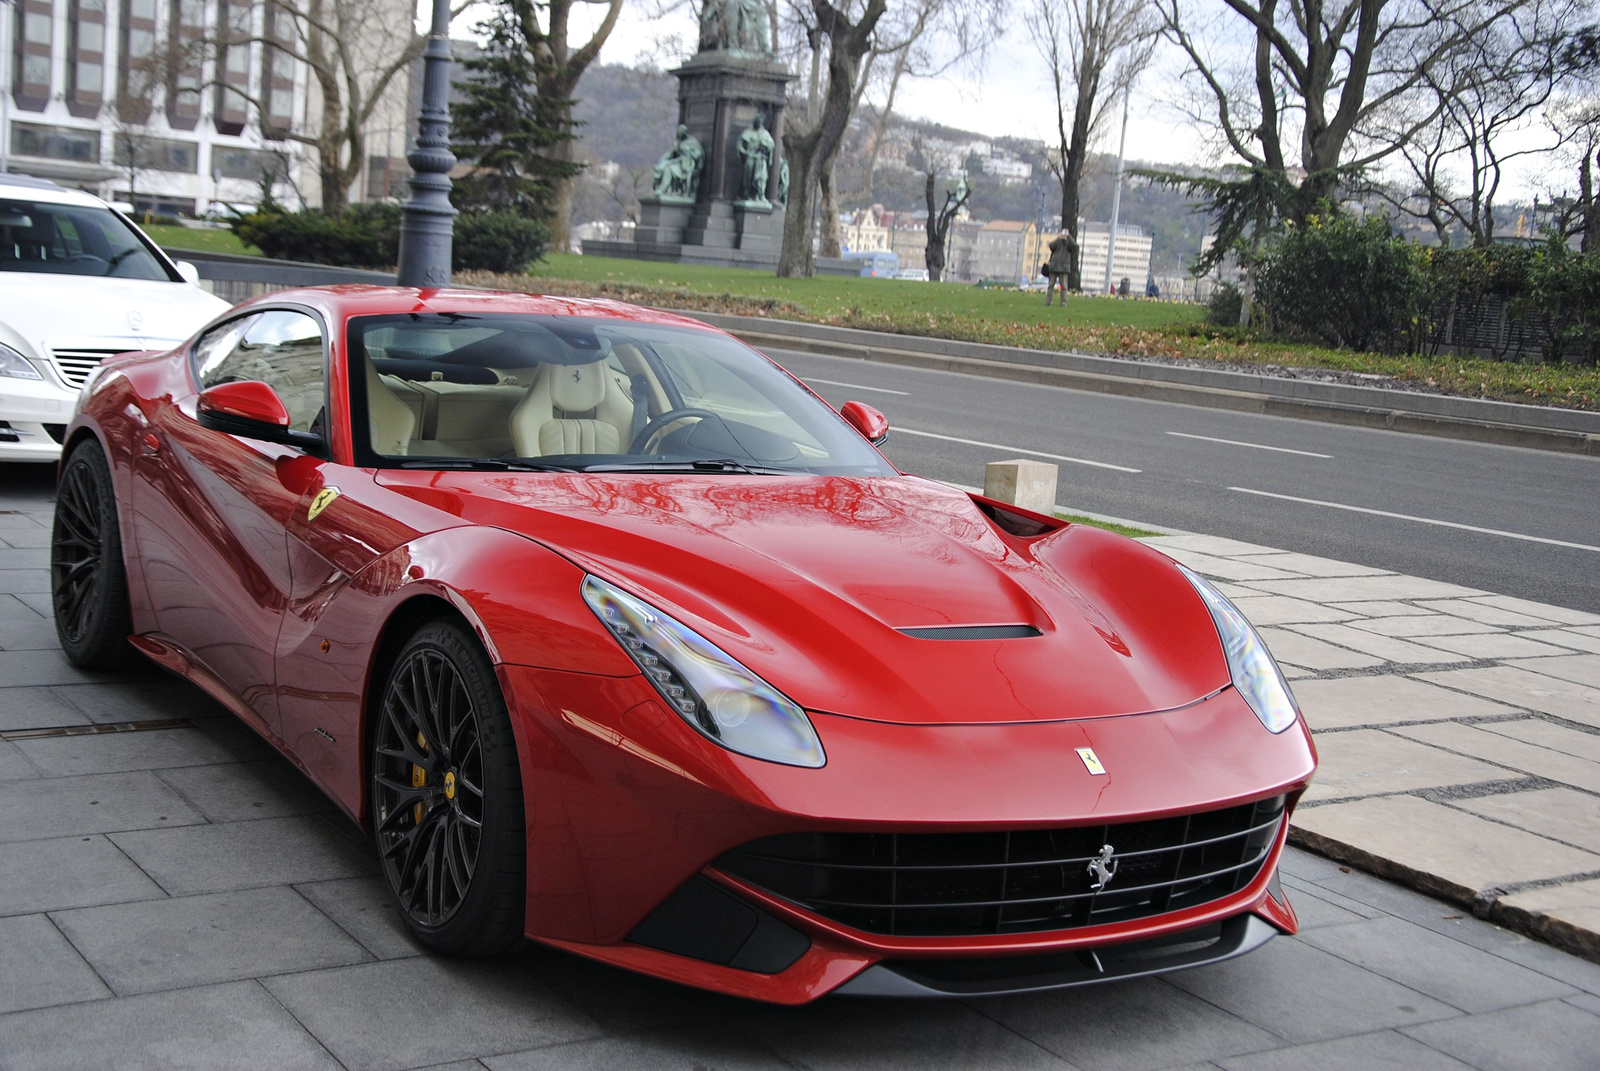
(1345, 702)
(1028, 484)
(1366, 762)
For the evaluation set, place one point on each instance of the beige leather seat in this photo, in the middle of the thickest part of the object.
(573, 409)
(390, 420)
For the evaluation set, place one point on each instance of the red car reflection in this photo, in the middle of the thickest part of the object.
(615, 636)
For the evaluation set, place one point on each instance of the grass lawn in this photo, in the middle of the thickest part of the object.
(207, 240)
(1134, 328)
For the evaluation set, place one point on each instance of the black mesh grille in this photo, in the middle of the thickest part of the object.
(950, 884)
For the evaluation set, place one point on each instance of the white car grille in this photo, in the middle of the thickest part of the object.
(76, 365)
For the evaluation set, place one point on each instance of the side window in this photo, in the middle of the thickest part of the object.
(280, 348)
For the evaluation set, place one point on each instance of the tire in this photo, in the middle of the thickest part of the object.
(447, 810)
(88, 581)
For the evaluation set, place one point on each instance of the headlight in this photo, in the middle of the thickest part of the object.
(15, 365)
(1251, 665)
(708, 688)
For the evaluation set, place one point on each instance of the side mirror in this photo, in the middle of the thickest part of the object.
(251, 410)
(187, 270)
(867, 420)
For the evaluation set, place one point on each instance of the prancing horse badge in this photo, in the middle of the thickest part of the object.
(1091, 761)
(323, 500)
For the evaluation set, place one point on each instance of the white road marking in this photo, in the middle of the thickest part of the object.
(1253, 446)
(1420, 520)
(856, 386)
(1011, 449)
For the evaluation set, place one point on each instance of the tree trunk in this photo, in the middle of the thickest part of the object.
(813, 151)
(933, 257)
(1074, 155)
(831, 241)
(1590, 242)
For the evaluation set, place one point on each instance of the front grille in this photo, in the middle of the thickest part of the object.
(954, 884)
(76, 365)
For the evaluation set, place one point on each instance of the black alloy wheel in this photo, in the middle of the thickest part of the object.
(88, 582)
(447, 795)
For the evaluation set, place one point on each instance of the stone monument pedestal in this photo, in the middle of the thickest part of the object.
(720, 93)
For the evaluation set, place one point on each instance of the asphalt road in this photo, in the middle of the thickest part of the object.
(1509, 520)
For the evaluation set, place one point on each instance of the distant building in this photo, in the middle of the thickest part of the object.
(1006, 249)
(863, 230)
(1007, 169)
(1132, 256)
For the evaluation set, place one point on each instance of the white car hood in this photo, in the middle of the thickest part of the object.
(140, 314)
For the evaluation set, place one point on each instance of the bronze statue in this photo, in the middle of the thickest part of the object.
(783, 183)
(755, 149)
(678, 170)
(735, 26)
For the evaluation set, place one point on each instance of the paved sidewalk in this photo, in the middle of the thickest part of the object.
(175, 895)
(1459, 731)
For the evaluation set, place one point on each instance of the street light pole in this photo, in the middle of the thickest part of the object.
(5, 85)
(1116, 193)
(427, 217)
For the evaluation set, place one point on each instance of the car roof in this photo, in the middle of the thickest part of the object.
(37, 189)
(359, 299)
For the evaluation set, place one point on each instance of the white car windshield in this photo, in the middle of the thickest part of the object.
(58, 239)
(442, 391)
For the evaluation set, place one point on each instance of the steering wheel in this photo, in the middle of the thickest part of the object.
(642, 440)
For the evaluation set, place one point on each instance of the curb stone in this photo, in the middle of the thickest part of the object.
(1411, 412)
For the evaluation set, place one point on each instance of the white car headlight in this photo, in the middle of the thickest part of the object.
(708, 688)
(15, 365)
(1250, 664)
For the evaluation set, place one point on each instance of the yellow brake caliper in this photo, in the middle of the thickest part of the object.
(419, 778)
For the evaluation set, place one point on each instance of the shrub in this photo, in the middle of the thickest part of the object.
(364, 236)
(497, 241)
(1345, 282)
(1225, 306)
(1562, 295)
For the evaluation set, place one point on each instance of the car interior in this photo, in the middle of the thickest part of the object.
(548, 387)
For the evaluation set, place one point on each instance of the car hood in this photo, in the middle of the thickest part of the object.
(138, 314)
(809, 580)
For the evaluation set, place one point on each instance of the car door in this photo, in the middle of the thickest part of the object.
(215, 507)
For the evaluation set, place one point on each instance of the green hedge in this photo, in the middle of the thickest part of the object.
(1351, 283)
(368, 236)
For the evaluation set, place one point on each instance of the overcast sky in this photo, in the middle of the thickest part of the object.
(1010, 97)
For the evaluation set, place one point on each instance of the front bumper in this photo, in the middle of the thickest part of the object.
(33, 408)
(631, 808)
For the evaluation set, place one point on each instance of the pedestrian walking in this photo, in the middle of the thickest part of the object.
(1058, 266)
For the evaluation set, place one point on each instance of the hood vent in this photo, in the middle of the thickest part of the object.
(972, 632)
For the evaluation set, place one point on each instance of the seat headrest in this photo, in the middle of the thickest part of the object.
(577, 388)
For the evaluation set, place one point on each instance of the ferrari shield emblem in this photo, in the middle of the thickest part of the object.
(323, 500)
(1091, 761)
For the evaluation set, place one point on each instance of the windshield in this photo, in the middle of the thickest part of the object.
(448, 390)
(37, 236)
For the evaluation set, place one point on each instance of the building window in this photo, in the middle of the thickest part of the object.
(140, 153)
(156, 204)
(137, 68)
(277, 72)
(56, 142)
(86, 57)
(30, 62)
(248, 164)
(387, 177)
(186, 38)
(230, 110)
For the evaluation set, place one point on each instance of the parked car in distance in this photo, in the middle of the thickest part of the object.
(78, 283)
(917, 275)
(876, 263)
(613, 635)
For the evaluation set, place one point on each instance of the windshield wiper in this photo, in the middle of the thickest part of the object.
(699, 464)
(482, 464)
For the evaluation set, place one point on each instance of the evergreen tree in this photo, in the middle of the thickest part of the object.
(506, 131)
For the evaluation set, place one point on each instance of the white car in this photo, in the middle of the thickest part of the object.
(78, 283)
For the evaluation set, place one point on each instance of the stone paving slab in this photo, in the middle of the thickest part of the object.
(198, 904)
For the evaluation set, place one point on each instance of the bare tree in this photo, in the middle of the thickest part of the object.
(1094, 50)
(940, 218)
(353, 50)
(546, 24)
(1485, 100)
(812, 143)
(1327, 77)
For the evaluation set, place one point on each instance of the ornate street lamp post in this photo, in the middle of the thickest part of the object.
(426, 219)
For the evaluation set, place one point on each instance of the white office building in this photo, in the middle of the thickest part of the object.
(1132, 257)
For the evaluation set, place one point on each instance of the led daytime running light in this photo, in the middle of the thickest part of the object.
(14, 365)
(709, 689)
(1251, 666)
